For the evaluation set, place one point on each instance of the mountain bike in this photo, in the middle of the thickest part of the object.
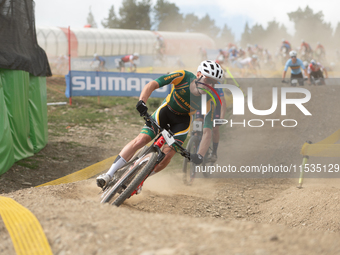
(189, 169)
(128, 179)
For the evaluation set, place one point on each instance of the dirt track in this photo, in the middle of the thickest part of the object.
(215, 216)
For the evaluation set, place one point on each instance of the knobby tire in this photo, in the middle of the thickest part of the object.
(109, 194)
(144, 166)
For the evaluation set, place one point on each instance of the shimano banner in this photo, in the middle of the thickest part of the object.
(82, 83)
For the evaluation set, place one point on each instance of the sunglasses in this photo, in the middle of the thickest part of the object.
(292, 57)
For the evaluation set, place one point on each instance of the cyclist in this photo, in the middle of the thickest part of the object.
(219, 113)
(249, 63)
(233, 52)
(100, 60)
(306, 50)
(268, 59)
(242, 53)
(315, 70)
(286, 44)
(250, 50)
(258, 51)
(175, 111)
(295, 65)
(126, 59)
(222, 56)
(233, 55)
(320, 51)
(160, 47)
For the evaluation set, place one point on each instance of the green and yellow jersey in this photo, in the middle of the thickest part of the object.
(180, 100)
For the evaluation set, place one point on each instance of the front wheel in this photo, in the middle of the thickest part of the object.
(141, 169)
(113, 189)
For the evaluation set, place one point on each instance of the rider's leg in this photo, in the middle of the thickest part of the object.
(128, 151)
(216, 139)
(169, 153)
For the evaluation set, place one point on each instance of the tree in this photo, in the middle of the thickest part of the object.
(226, 36)
(336, 41)
(191, 23)
(207, 26)
(310, 26)
(90, 19)
(245, 37)
(274, 35)
(135, 15)
(111, 21)
(167, 16)
(257, 34)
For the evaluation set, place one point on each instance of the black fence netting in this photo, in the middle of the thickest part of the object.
(19, 49)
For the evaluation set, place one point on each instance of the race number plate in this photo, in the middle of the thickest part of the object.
(197, 125)
(170, 140)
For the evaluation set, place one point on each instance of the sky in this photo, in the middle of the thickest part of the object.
(234, 13)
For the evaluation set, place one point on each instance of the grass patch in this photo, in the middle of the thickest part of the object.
(28, 163)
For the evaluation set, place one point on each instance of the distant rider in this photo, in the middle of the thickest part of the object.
(320, 51)
(295, 65)
(285, 44)
(128, 59)
(101, 60)
(315, 71)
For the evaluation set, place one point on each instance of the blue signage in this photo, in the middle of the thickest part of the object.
(82, 83)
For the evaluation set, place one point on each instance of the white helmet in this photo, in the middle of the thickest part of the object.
(313, 62)
(95, 55)
(305, 63)
(254, 56)
(211, 69)
(136, 54)
(293, 53)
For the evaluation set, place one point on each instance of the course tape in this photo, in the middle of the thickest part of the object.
(25, 230)
(324, 148)
(83, 174)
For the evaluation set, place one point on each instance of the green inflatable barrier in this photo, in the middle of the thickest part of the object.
(6, 141)
(23, 116)
(38, 112)
(16, 88)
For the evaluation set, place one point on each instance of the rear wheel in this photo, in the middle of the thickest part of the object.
(141, 169)
(189, 168)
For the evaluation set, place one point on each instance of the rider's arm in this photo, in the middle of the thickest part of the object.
(306, 75)
(304, 70)
(284, 74)
(147, 90)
